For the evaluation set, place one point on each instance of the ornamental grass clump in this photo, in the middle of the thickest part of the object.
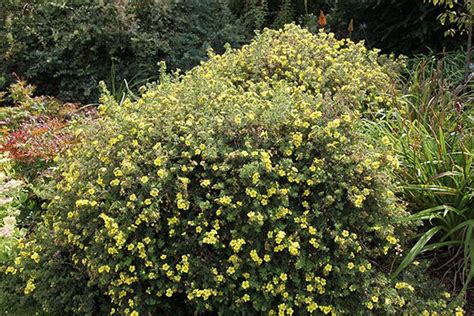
(241, 187)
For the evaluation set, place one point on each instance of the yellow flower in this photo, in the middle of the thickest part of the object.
(103, 269)
(255, 178)
(210, 237)
(11, 270)
(294, 248)
(35, 256)
(459, 311)
(370, 305)
(314, 243)
(297, 139)
(280, 236)
(404, 285)
(205, 183)
(236, 244)
(161, 173)
(118, 173)
(158, 161)
(359, 199)
(30, 286)
(251, 192)
(392, 240)
(385, 141)
(327, 269)
(255, 257)
(144, 179)
(316, 114)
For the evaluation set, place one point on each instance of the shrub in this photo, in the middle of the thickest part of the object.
(396, 26)
(67, 47)
(184, 31)
(11, 198)
(34, 131)
(241, 187)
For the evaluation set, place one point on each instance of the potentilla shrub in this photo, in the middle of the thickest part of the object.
(242, 187)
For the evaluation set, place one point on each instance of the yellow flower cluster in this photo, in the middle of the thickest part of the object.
(237, 244)
(114, 232)
(404, 285)
(30, 286)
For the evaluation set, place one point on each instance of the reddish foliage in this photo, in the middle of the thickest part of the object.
(41, 138)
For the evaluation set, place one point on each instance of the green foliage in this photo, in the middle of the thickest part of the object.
(433, 137)
(241, 187)
(33, 127)
(34, 131)
(457, 13)
(11, 198)
(65, 48)
(395, 26)
(405, 26)
(253, 13)
(185, 31)
(421, 69)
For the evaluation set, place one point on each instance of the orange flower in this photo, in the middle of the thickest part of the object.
(350, 28)
(322, 18)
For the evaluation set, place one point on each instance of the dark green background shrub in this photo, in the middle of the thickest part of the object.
(242, 187)
(399, 26)
(66, 47)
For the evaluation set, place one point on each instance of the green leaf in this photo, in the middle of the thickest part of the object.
(438, 189)
(458, 227)
(441, 245)
(433, 212)
(417, 249)
(469, 256)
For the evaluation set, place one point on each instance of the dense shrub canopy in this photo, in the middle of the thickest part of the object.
(399, 26)
(67, 47)
(241, 187)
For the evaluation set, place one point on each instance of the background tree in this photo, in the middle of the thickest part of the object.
(460, 15)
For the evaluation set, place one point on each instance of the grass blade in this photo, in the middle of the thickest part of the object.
(417, 249)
